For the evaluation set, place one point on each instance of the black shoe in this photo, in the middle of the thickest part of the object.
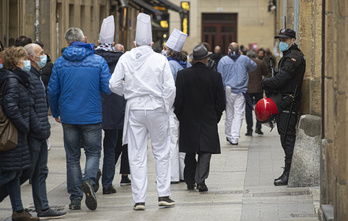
(165, 201)
(258, 131)
(91, 200)
(249, 133)
(174, 182)
(283, 179)
(50, 214)
(202, 187)
(139, 206)
(231, 142)
(191, 186)
(75, 204)
(96, 185)
(125, 181)
(109, 190)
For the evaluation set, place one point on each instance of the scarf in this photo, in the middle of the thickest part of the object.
(106, 47)
(182, 63)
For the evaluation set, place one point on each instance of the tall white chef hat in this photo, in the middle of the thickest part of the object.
(176, 40)
(107, 30)
(143, 34)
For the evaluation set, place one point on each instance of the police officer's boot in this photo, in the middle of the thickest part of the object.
(283, 179)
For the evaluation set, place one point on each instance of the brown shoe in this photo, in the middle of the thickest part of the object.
(23, 216)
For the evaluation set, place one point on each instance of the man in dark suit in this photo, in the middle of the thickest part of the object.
(199, 103)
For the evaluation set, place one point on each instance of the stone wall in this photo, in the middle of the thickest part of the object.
(334, 169)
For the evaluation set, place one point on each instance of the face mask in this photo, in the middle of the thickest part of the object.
(164, 53)
(42, 62)
(1, 66)
(27, 65)
(283, 46)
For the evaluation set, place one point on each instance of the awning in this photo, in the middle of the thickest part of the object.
(149, 8)
(171, 6)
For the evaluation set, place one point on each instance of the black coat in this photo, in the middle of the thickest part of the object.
(199, 103)
(113, 104)
(39, 127)
(291, 72)
(16, 104)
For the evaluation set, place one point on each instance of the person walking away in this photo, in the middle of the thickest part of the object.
(255, 92)
(177, 61)
(144, 78)
(16, 105)
(113, 109)
(199, 104)
(78, 77)
(234, 69)
(288, 82)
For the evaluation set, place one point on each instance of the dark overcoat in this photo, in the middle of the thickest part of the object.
(199, 103)
(113, 105)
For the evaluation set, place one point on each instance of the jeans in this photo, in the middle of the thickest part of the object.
(249, 111)
(39, 172)
(112, 150)
(91, 136)
(13, 187)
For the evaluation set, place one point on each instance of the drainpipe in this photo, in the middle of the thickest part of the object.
(323, 70)
(37, 15)
(284, 14)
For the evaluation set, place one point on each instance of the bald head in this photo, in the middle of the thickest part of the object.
(233, 47)
(217, 50)
(34, 52)
(119, 47)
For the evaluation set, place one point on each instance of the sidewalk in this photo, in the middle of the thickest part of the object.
(240, 187)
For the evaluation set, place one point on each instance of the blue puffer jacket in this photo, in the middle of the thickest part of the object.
(16, 104)
(76, 81)
(40, 113)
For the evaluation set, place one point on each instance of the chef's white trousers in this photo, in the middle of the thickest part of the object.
(235, 107)
(154, 123)
(174, 147)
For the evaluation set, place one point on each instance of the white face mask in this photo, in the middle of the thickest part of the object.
(164, 53)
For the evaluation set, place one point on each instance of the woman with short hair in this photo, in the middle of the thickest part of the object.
(14, 81)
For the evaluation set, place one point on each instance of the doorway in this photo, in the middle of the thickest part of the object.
(219, 29)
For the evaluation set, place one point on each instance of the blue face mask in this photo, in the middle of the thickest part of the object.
(27, 66)
(42, 62)
(1, 66)
(164, 53)
(283, 46)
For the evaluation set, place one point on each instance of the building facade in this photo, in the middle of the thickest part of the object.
(221, 22)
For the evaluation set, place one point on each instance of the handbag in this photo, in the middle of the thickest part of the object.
(8, 132)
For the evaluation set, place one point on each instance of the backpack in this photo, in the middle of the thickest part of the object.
(8, 132)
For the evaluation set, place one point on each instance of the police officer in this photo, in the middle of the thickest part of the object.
(288, 82)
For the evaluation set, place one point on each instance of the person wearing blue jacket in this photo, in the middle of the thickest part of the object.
(74, 95)
(234, 69)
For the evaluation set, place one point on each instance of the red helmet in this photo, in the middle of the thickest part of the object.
(265, 110)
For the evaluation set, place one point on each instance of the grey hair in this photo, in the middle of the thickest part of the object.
(74, 34)
(251, 54)
(29, 49)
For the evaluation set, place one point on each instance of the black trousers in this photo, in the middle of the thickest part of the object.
(124, 168)
(249, 111)
(289, 142)
(196, 171)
